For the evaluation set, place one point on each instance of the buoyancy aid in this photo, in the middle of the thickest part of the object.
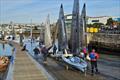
(93, 56)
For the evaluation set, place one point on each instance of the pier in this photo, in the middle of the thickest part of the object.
(25, 68)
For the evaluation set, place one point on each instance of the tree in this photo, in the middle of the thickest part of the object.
(109, 21)
(98, 25)
(89, 25)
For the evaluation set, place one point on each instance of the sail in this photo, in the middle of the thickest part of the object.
(83, 27)
(55, 35)
(48, 40)
(75, 28)
(62, 37)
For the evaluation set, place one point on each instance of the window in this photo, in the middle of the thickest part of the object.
(95, 20)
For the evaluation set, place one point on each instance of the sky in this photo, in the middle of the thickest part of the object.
(22, 11)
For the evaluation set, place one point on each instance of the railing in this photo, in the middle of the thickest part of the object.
(110, 31)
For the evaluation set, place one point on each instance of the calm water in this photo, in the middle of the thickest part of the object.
(30, 46)
(5, 49)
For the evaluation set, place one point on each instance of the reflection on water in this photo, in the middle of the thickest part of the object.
(30, 46)
(3, 46)
(5, 49)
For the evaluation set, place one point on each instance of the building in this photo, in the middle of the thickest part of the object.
(100, 19)
(68, 22)
(91, 20)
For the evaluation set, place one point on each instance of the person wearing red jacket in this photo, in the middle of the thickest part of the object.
(93, 58)
(85, 51)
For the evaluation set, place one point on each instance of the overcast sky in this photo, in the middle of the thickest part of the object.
(22, 11)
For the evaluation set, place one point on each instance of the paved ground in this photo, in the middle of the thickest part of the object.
(109, 66)
(57, 69)
(109, 69)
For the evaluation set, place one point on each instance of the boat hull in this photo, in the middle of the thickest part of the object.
(82, 65)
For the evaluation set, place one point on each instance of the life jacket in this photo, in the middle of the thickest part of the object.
(97, 55)
(93, 56)
(84, 51)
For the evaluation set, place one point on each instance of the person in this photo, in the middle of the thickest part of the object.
(36, 51)
(40, 44)
(85, 51)
(45, 53)
(93, 58)
(54, 49)
(82, 55)
(24, 48)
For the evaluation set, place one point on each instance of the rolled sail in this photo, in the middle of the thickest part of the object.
(62, 37)
(75, 28)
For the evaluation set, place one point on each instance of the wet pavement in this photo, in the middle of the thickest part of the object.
(58, 71)
(108, 65)
(109, 70)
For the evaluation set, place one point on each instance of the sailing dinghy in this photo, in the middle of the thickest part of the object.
(76, 42)
(74, 61)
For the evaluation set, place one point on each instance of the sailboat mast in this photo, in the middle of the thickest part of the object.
(13, 31)
(31, 31)
(75, 28)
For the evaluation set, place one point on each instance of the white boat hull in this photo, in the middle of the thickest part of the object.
(81, 65)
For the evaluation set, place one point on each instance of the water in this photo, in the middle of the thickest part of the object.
(30, 46)
(5, 49)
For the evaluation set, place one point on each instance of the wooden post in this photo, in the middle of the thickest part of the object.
(66, 66)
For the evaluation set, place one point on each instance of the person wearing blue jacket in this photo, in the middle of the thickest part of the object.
(93, 58)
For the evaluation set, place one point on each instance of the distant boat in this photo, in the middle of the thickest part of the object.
(60, 37)
(9, 37)
(4, 62)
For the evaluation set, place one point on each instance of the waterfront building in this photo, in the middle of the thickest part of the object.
(99, 19)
